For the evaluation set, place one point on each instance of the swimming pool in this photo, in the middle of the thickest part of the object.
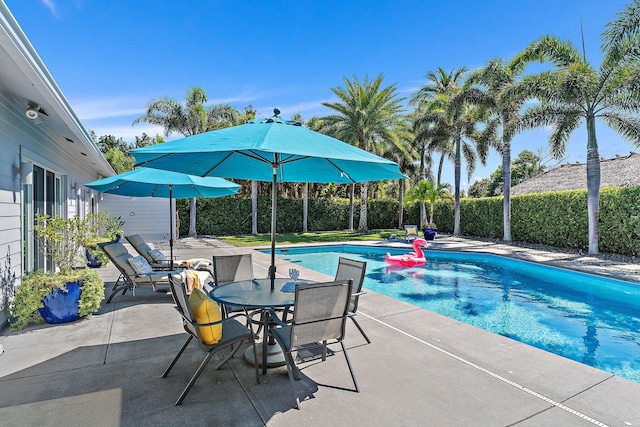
(590, 319)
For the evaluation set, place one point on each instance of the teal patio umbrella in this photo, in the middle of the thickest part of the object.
(144, 182)
(270, 149)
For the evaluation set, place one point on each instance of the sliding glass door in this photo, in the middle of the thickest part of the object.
(43, 196)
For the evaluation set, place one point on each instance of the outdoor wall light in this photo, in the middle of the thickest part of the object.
(25, 171)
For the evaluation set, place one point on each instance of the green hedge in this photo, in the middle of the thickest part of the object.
(558, 219)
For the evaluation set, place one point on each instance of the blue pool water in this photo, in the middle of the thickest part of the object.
(590, 319)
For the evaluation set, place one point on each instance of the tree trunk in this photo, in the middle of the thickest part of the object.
(401, 203)
(440, 166)
(305, 207)
(254, 207)
(351, 201)
(506, 190)
(192, 217)
(423, 177)
(363, 208)
(593, 184)
(458, 163)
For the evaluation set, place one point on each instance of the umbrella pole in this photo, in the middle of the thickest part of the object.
(171, 219)
(274, 199)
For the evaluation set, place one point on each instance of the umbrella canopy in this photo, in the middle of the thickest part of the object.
(271, 149)
(250, 151)
(144, 182)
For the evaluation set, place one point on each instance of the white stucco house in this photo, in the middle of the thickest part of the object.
(46, 156)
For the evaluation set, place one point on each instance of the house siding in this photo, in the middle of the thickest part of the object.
(146, 216)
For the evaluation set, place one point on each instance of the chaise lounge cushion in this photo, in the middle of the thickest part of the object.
(140, 265)
(206, 310)
(157, 256)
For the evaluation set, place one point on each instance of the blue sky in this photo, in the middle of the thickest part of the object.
(110, 58)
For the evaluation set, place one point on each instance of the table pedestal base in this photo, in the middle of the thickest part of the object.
(275, 356)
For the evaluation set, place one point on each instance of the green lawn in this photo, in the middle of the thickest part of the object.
(311, 237)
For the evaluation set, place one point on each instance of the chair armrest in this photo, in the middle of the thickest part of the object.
(275, 318)
(217, 322)
(357, 294)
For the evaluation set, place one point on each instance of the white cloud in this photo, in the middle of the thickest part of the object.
(50, 4)
(135, 106)
(103, 108)
(128, 133)
(306, 108)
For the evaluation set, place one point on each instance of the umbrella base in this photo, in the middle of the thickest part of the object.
(275, 356)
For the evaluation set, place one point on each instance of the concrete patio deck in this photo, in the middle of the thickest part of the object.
(420, 369)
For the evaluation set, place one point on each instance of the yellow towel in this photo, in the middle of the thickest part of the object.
(191, 279)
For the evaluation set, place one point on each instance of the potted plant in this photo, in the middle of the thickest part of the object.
(112, 227)
(102, 227)
(56, 297)
(66, 293)
(429, 229)
(428, 192)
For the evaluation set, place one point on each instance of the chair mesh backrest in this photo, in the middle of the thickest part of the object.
(120, 257)
(140, 246)
(354, 270)
(182, 302)
(320, 312)
(231, 268)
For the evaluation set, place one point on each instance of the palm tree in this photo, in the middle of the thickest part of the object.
(453, 126)
(430, 124)
(487, 88)
(429, 193)
(468, 142)
(189, 119)
(574, 90)
(367, 115)
(428, 133)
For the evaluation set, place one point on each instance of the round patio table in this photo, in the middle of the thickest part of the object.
(257, 294)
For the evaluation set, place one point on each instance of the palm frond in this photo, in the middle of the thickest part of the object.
(626, 125)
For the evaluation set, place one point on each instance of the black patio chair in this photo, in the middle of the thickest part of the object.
(233, 334)
(354, 270)
(319, 318)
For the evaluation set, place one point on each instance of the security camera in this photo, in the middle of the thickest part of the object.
(32, 113)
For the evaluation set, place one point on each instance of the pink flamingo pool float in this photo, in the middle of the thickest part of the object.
(412, 258)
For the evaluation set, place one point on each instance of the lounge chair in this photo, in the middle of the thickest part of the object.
(159, 261)
(233, 332)
(320, 315)
(411, 232)
(354, 270)
(129, 279)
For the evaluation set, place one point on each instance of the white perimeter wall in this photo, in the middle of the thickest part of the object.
(147, 216)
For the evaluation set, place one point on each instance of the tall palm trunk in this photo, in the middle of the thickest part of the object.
(423, 177)
(192, 217)
(305, 207)
(457, 170)
(401, 203)
(352, 190)
(440, 167)
(362, 226)
(506, 190)
(593, 184)
(254, 207)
